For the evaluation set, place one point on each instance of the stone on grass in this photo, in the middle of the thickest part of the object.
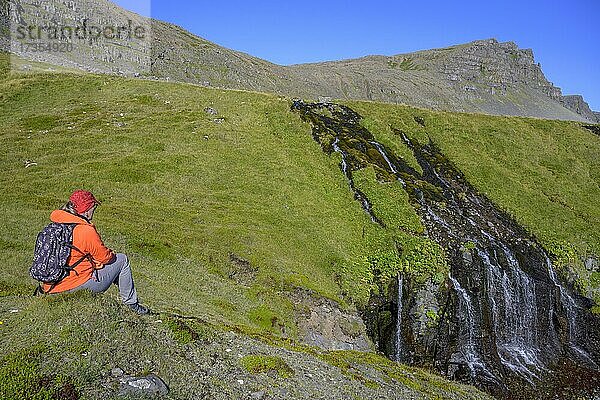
(145, 385)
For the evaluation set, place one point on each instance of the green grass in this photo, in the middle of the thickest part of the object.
(21, 378)
(63, 346)
(179, 192)
(407, 64)
(545, 173)
(419, 257)
(389, 201)
(58, 347)
(181, 331)
(429, 385)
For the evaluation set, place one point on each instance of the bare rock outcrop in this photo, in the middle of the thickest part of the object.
(323, 323)
(576, 103)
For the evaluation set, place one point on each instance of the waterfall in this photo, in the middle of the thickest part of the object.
(399, 345)
(467, 331)
(344, 166)
(379, 147)
(390, 164)
(570, 306)
(567, 302)
(513, 309)
(439, 220)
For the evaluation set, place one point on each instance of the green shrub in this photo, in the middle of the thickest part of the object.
(21, 378)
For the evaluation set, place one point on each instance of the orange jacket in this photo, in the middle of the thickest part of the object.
(86, 239)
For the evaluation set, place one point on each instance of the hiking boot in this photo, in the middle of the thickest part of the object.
(138, 308)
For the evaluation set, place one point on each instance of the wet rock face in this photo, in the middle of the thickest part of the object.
(507, 323)
(337, 129)
(594, 128)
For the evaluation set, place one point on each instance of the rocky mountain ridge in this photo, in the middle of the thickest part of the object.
(483, 76)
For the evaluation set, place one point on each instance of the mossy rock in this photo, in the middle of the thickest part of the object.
(182, 333)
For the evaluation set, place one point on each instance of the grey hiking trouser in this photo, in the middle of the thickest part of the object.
(119, 273)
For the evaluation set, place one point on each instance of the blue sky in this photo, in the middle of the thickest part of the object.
(564, 36)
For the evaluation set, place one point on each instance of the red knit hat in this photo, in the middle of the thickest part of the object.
(83, 200)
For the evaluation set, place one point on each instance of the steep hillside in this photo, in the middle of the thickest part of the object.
(237, 226)
(164, 50)
(483, 76)
(245, 235)
(578, 104)
(503, 314)
(543, 173)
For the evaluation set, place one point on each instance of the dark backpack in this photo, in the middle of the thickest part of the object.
(52, 249)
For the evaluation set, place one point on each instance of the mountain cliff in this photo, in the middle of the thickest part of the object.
(483, 76)
(580, 106)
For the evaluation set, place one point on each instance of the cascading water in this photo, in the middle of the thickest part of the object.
(514, 315)
(399, 345)
(385, 156)
(381, 151)
(468, 354)
(516, 310)
(571, 310)
(512, 323)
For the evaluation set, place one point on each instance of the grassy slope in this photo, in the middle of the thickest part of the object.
(180, 192)
(544, 173)
(176, 201)
(83, 337)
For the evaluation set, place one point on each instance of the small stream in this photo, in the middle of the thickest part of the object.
(511, 325)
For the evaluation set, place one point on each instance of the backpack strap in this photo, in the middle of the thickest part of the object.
(39, 290)
(72, 267)
(85, 256)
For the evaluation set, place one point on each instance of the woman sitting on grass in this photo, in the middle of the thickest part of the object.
(102, 267)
